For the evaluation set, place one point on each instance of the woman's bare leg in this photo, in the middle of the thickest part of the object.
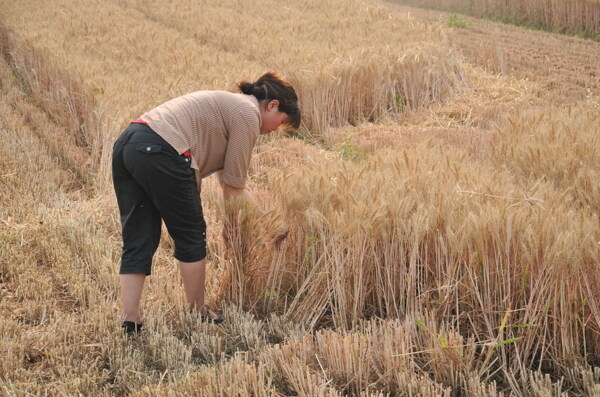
(131, 292)
(194, 277)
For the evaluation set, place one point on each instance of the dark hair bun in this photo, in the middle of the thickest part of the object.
(247, 88)
(257, 89)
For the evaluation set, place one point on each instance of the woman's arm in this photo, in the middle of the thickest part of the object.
(230, 192)
(198, 181)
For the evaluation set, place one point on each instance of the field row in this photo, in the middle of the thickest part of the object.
(577, 17)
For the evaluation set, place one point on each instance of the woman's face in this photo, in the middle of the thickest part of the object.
(271, 117)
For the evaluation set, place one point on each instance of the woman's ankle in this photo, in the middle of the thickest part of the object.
(134, 318)
(195, 309)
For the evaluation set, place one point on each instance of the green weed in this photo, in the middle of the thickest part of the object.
(457, 22)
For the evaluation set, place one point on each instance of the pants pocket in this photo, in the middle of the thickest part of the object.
(149, 148)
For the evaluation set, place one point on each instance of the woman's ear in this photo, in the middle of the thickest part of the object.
(273, 104)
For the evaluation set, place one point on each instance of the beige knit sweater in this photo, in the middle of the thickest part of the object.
(219, 129)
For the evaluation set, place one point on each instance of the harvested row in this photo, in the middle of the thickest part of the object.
(559, 69)
(54, 105)
(379, 358)
(577, 17)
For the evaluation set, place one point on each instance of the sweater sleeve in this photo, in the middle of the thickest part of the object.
(243, 128)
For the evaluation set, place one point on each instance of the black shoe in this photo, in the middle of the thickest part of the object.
(211, 318)
(130, 328)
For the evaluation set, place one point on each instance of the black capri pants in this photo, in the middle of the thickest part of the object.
(153, 182)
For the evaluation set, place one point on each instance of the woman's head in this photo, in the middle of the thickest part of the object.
(278, 101)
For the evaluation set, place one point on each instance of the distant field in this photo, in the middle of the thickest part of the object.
(442, 200)
(576, 17)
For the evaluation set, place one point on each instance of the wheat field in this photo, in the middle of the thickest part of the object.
(442, 201)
